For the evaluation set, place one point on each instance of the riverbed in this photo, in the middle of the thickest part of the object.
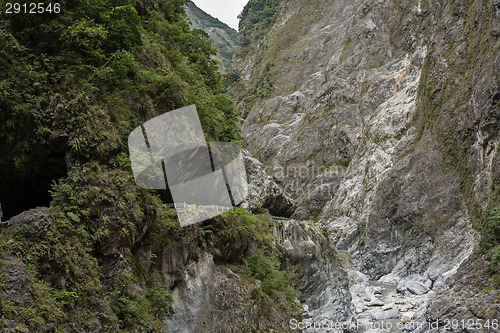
(387, 295)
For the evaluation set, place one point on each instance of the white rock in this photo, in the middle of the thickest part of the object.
(387, 307)
(405, 308)
(406, 316)
(389, 314)
(375, 302)
(389, 278)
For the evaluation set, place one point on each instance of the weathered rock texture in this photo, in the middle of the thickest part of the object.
(212, 296)
(32, 224)
(321, 279)
(384, 117)
(263, 192)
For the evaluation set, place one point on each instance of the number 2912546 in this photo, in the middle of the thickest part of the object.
(32, 8)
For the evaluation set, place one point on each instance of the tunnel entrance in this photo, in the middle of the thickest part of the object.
(165, 196)
(21, 190)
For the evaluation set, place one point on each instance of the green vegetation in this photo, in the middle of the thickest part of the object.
(256, 19)
(100, 69)
(446, 110)
(495, 256)
(220, 34)
(72, 87)
(237, 233)
(276, 285)
(239, 226)
(440, 103)
(67, 253)
(135, 311)
(489, 229)
(139, 299)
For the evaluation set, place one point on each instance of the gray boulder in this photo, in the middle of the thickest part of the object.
(415, 284)
(263, 191)
(33, 224)
(17, 287)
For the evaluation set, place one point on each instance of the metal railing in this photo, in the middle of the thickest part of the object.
(214, 207)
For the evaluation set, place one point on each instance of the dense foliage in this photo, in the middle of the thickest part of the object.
(256, 19)
(490, 235)
(241, 231)
(103, 67)
(65, 266)
(258, 15)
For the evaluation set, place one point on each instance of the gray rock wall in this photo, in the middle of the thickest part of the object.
(383, 118)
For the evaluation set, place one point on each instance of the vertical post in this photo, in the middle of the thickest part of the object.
(1, 214)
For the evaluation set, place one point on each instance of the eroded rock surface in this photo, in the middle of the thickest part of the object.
(367, 125)
(33, 224)
(263, 190)
(321, 280)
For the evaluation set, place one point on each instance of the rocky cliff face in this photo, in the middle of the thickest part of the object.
(263, 192)
(210, 296)
(382, 118)
(322, 277)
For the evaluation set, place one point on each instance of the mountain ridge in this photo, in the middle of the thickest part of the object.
(220, 34)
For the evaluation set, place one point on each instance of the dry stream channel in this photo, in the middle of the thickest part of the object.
(380, 308)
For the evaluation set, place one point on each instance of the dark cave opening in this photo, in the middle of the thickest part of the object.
(24, 190)
(165, 196)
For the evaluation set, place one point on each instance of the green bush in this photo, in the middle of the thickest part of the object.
(490, 228)
(261, 266)
(276, 283)
(241, 226)
(149, 310)
(86, 37)
(258, 16)
(495, 257)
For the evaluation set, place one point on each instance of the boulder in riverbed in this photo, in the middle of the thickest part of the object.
(407, 316)
(415, 284)
(374, 302)
(387, 307)
(389, 314)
